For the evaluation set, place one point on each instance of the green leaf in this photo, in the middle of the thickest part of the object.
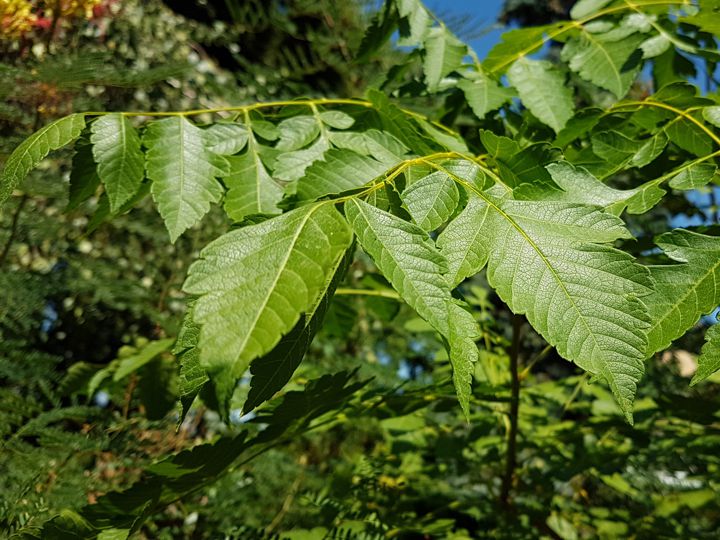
(337, 119)
(543, 91)
(33, 149)
(689, 136)
(192, 377)
(84, 179)
(709, 359)
(549, 262)
(263, 128)
(293, 165)
(297, 132)
(693, 177)
(655, 46)
(339, 171)
(397, 122)
(251, 189)
(451, 141)
(407, 258)
(182, 171)
(461, 243)
(647, 196)
(605, 62)
(583, 8)
(431, 200)
(580, 187)
(375, 143)
(415, 23)
(684, 292)
(584, 121)
(650, 150)
(255, 282)
(226, 138)
(615, 147)
(118, 154)
(443, 55)
(131, 364)
(272, 371)
(707, 19)
(517, 44)
(527, 166)
(484, 94)
(712, 115)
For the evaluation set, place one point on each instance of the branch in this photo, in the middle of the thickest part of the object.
(13, 229)
(511, 455)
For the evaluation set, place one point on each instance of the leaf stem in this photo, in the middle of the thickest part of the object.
(679, 112)
(312, 103)
(13, 229)
(570, 25)
(368, 292)
(511, 454)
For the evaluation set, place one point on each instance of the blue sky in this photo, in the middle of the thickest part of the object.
(482, 12)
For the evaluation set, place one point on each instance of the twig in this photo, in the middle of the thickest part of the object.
(13, 228)
(511, 457)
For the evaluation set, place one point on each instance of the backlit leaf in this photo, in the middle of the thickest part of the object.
(254, 283)
(183, 172)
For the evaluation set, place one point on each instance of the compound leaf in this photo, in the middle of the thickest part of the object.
(550, 262)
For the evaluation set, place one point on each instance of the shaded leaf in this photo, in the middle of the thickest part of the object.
(84, 179)
(33, 149)
(254, 283)
(272, 371)
(604, 61)
(251, 189)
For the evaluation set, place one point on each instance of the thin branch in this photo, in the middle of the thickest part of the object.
(13, 229)
(511, 455)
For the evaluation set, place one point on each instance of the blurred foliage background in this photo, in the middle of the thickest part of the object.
(80, 294)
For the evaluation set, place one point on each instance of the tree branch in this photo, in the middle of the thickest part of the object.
(511, 455)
